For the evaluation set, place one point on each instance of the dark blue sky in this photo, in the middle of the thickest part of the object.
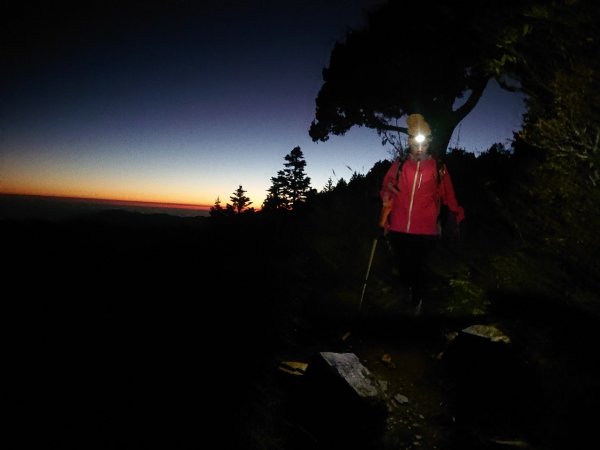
(180, 101)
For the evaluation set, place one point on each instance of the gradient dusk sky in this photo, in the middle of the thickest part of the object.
(182, 101)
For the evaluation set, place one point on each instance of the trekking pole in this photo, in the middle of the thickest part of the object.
(383, 217)
(362, 295)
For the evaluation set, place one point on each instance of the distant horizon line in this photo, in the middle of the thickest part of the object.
(170, 205)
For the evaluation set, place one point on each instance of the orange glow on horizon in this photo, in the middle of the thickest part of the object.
(132, 202)
(153, 204)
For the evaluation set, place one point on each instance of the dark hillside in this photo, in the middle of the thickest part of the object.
(131, 331)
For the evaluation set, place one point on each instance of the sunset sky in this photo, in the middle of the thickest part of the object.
(182, 104)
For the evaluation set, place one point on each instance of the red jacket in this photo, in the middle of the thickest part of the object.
(415, 197)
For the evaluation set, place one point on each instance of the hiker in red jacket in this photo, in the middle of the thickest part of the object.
(413, 192)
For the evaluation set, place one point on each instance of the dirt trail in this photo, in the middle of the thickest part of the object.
(405, 353)
(418, 415)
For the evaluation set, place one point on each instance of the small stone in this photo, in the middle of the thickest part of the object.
(401, 398)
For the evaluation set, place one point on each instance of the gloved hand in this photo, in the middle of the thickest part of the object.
(383, 218)
(385, 212)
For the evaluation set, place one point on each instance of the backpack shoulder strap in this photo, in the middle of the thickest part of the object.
(401, 162)
(441, 169)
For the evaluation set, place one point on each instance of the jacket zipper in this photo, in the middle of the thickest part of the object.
(412, 197)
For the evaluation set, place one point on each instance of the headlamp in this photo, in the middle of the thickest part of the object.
(419, 138)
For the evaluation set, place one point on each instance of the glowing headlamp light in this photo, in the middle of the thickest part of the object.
(419, 138)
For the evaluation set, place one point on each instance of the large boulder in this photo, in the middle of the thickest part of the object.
(341, 403)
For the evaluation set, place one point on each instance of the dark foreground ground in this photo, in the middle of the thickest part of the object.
(169, 335)
(463, 392)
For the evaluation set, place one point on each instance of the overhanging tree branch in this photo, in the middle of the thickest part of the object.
(384, 72)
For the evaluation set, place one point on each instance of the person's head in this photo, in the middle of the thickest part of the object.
(419, 136)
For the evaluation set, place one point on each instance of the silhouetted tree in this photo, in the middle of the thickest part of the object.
(291, 186)
(328, 186)
(277, 196)
(298, 182)
(421, 57)
(341, 184)
(217, 210)
(239, 202)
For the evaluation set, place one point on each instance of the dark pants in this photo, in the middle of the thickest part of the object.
(412, 253)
